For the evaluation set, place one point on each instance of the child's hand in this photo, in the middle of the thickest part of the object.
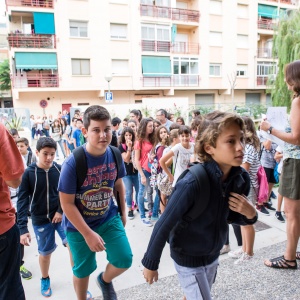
(95, 241)
(25, 239)
(241, 204)
(150, 276)
(171, 178)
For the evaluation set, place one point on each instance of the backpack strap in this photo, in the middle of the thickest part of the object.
(29, 158)
(202, 194)
(81, 168)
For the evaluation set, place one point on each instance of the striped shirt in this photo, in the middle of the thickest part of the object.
(251, 156)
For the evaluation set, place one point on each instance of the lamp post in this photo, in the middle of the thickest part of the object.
(108, 78)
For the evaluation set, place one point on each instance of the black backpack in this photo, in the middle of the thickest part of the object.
(202, 194)
(82, 168)
(114, 139)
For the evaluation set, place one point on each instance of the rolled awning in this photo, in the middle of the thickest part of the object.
(156, 66)
(37, 61)
(267, 11)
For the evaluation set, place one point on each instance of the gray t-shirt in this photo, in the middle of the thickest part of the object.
(267, 156)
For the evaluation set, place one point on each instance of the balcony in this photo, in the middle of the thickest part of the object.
(31, 3)
(264, 53)
(267, 24)
(35, 80)
(178, 14)
(172, 81)
(185, 48)
(156, 46)
(292, 2)
(18, 40)
(261, 80)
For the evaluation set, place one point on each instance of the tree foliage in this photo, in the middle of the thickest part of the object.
(5, 83)
(286, 46)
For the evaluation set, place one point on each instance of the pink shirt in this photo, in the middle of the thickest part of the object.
(146, 148)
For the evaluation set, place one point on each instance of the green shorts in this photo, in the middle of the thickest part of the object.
(118, 251)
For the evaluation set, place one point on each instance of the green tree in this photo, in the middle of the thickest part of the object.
(286, 46)
(5, 83)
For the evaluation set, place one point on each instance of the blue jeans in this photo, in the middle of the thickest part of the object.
(10, 281)
(156, 203)
(60, 143)
(141, 193)
(131, 181)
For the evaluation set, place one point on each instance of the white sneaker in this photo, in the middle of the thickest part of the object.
(146, 222)
(244, 258)
(225, 249)
(236, 253)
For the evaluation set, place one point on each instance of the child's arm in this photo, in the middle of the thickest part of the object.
(22, 209)
(240, 204)
(278, 156)
(93, 240)
(162, 163)
(138, 165)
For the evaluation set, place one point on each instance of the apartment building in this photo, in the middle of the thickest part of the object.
(69, 53)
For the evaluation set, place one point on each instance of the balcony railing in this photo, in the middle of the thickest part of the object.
(18, 40)
(293, 2)
(266, 24)
(185, 48)
(156, 46)
(174, 81)
(185, 15)
(30, 3)
(261, 80)
(36, 81)
(264, 53)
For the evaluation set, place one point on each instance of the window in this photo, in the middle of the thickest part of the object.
(120, 66)
(265, 69)
(215, 38)
(252, 98)
(215, 70)
(78, 28)
(242, 11)
(215, 7)
(155, 32)
(80, 66)
(118, 31)
(242, 41)
(205, 99)
(242, 70)
(184, 65)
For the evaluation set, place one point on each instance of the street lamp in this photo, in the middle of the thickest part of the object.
(108, 78)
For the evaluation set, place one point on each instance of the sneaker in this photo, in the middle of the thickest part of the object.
(146, 222)
(107, 289)
(236, 253)
(130, 214)
(225, 249)
(273, 196)
(262, 209)
(154, 219)
(45, 287)
(269, 206)
(279, 217)
(244, 258)
(25, 273)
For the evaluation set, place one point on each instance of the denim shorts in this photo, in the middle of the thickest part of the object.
(118, 250)
(45, 236)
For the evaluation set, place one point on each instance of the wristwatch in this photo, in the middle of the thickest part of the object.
(269, 131)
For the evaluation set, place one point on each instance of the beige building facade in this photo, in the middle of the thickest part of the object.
(71, 52)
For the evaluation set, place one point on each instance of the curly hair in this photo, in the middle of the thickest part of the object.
(196, 122)
(251, 135)
(141, 134)
(211, 128)
(129, 130)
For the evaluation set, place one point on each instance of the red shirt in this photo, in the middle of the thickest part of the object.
(11, 168)
(144, 151)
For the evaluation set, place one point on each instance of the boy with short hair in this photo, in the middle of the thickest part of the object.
(77, 134)
(23, 145)
(39, 189)
(90, 217)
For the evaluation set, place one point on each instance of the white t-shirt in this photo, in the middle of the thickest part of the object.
(181, 159)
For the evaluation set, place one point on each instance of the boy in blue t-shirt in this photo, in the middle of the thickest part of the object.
(91, 218)
(77, 134)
